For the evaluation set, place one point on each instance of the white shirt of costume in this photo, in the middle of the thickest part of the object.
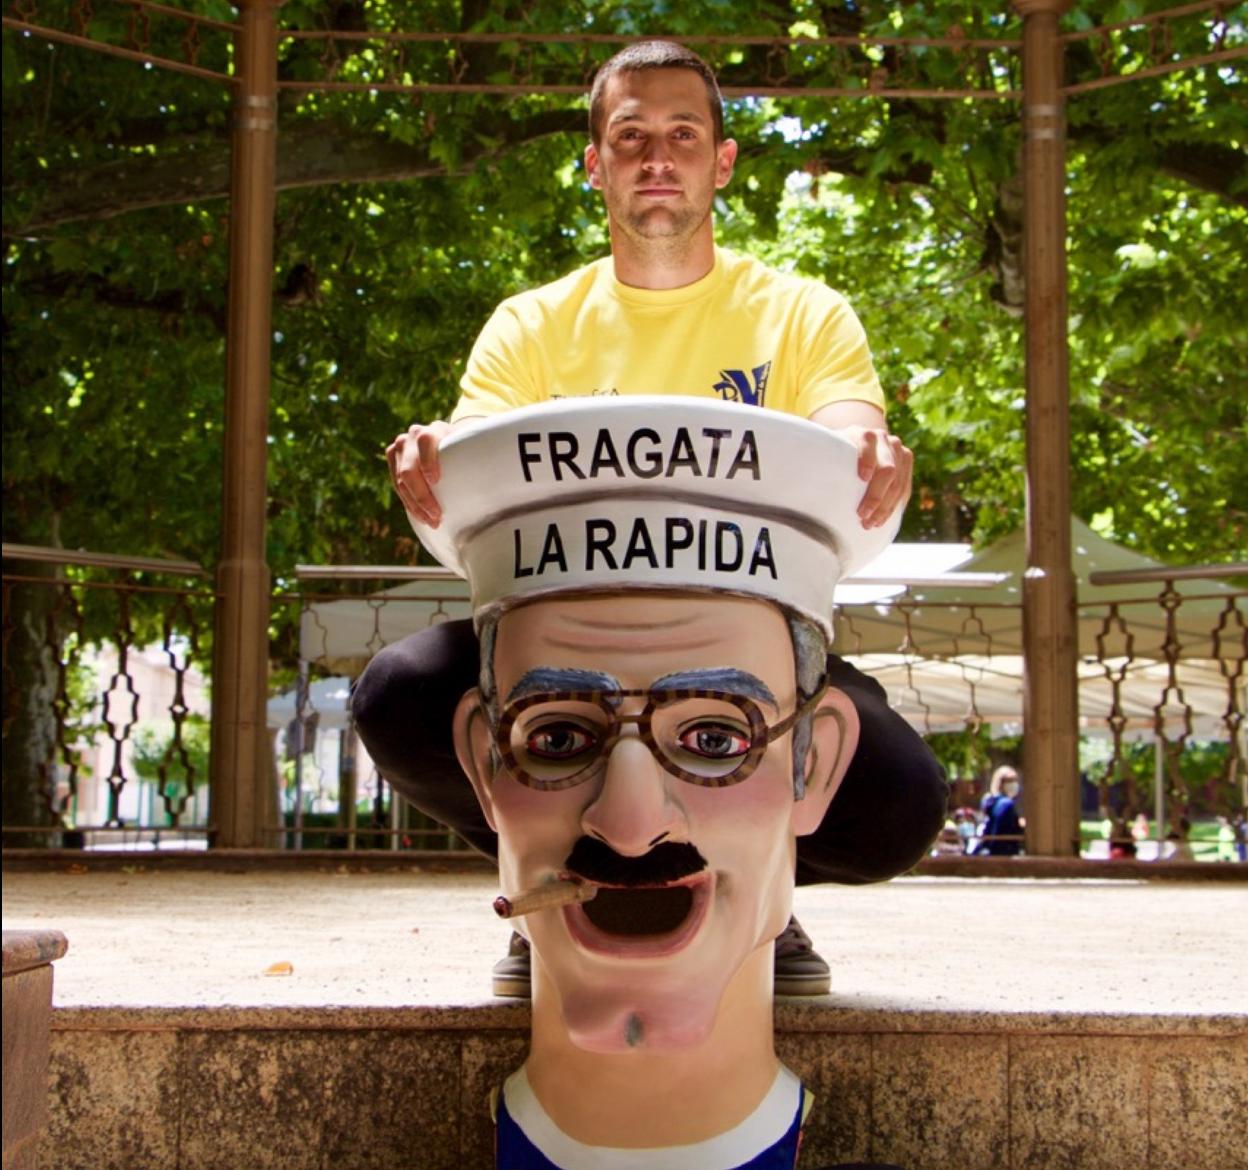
(762, 1129)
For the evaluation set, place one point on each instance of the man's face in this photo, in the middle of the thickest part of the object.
(658, 165)
(646, 967)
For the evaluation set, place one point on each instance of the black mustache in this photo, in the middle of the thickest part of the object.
(667, 862)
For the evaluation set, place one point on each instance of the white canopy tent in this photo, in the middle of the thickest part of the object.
(951, 694)
(951, 657)
(342, 634)
(936, 622)
(327, 697)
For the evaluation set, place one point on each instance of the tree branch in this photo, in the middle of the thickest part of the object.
(323, 153)
(1207, 166)
(856, 163)
(310, 154)
(1220, 170)
(171, 305)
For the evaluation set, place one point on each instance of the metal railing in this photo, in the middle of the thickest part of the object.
(113, 729)
(1161, 697)
(105, 700)
(331, 794)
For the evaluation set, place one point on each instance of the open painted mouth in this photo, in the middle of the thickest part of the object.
(640, 911)
(641, 921)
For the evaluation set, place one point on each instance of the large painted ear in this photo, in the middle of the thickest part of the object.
(472, 747)
(591, 165)
(834, 739)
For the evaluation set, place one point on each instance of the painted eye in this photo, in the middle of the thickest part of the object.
(714, 741)
(558, 741)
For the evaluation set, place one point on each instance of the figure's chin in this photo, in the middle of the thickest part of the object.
(618, 1020)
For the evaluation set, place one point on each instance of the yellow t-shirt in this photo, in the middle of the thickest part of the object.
(743, 333)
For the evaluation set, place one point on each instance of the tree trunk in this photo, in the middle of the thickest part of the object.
(31, 684)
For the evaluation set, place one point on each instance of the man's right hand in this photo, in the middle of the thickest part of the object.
(414, 469)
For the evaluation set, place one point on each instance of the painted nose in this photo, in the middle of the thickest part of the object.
(632, 810)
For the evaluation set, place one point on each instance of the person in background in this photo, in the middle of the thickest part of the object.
(1121, 843)
(949, 842)
(1004, 827)
(1177, 847)
(967, 825)
(999, 776)
(1226, 840)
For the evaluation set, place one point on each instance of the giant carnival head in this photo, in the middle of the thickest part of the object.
(652, 581)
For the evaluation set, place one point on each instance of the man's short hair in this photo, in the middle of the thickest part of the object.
(647, 55)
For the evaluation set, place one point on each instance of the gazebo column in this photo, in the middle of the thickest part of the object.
(241, 773)
(1050, 702)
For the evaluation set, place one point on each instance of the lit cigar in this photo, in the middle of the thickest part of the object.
(550, 896)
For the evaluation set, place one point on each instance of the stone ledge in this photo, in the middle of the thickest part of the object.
(791, 1017)
(26, 949)
(28, 957)
(388, 1090)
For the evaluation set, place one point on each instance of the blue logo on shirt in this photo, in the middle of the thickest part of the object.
(738, 386)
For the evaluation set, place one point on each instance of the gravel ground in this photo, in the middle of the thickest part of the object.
(178, 939)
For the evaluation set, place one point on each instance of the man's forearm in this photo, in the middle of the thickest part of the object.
(850, 412)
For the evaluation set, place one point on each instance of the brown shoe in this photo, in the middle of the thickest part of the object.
(799, 969)
(512, 973)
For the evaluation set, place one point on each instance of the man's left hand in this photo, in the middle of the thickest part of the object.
(884, 461)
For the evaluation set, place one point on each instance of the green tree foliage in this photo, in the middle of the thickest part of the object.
(1194, 777)
(403, 220)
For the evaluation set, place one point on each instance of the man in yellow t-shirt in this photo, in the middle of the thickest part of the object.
(741, 333)
(666, 313)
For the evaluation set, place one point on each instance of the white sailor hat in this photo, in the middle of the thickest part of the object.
(652, 492)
